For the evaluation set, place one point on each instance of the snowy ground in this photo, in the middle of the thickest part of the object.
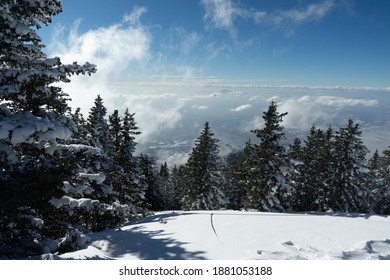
(243, 236)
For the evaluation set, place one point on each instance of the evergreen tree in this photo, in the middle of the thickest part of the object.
(295, 150)
(238, 176)
(350, 194)
(133, 190)
(97, 125)
(267, 188)
(34, 156)
(202, 175)
(154, 197)
(312, 178)
(374, 163)
(101, 189)
(173, 189)
(80, 133)
(164, 171)
(169, 187)
(379, 184)
(115, 136)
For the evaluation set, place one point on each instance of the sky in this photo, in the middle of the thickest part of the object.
(177, 64)
(313, 43)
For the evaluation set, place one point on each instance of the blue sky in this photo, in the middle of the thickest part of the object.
(180, 63)
(268, 42)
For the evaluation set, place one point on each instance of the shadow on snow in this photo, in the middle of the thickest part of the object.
(139, 243)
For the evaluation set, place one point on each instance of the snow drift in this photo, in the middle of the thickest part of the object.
(224, 235)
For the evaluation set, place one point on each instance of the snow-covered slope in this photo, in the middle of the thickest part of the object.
(223, 235)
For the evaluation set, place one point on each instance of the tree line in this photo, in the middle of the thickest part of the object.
(62, 175)
(326, 172)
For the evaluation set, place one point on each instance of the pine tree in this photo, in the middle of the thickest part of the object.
(202, 175)
(238, 176)
(374, 163)
(267, 188)
(97, 125)
(312, 178)
(133, 191)
(34, 156)
(295, 150)
(154, 197)
(379, 184)
(115, 136)
(350, 194)
(80, 133)
(173, 188)
(100, 195)
(164, 171)
(168, 186)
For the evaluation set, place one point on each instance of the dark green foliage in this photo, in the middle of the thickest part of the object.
(202, 176)
(313, 175)
(154, 197)
(97, 125)
(34, 156)
(238, 175)
(267, 189)
(350, 192)
(379, 172)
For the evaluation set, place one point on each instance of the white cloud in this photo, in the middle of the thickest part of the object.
(153, 117)
(241, 108)
(117, 49)
(312, 12)
(212, 95)
(112, 48)
(215, 49)
(340, 102)
(135, 15)
(253, 98)
(221, 14)
(200, 107)
(178, 39)
(307, 110)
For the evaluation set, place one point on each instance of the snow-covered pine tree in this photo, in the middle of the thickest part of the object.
(124, 171)
(350, 193)
(94, 195)
(165, 187)
(129, 131)
(171, 187)
(203, 180)
(164, 171)
(238, 174)
(379, 184)
(34, 157)
(115, 136)
(97, 125)
(374, 163)
(99, 137)
(295, 150)
(312, 177)
(80, 133)
(133, 191)
(155, 199)
(268, 190)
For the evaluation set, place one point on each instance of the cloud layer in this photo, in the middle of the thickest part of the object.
(222, 14)
(172, 97)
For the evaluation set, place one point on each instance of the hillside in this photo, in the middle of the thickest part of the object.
(224, 235)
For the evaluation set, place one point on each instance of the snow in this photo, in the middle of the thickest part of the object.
(25, 127)
(98, 177)
(242, 236)
(74, 203)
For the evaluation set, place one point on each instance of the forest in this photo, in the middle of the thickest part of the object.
(63, 174)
